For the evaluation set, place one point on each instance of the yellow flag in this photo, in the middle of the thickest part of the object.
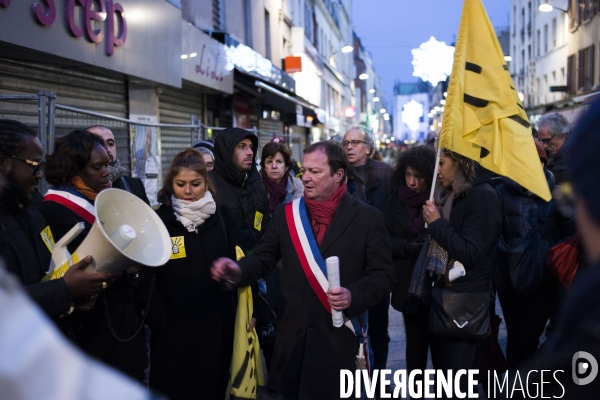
(484, 119)
(247, 369)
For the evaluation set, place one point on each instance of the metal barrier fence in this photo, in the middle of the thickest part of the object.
(145, 149)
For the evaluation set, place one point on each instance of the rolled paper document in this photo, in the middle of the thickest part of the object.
(333, 277)
(457, 271)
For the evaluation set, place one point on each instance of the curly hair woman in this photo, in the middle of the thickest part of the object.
(412, 180)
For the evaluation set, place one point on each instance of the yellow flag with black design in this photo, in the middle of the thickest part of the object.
(247, 369)
(483, 118)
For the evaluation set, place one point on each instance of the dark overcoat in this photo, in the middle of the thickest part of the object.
(26, 255)
(309, 351)
(192, 318)
(396, 221)
(471, 236)
(89, 329)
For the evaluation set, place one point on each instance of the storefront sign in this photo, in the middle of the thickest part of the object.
(100, 33)
(203, 60)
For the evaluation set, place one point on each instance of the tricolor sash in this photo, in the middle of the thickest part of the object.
(314, 266)
(74, 203)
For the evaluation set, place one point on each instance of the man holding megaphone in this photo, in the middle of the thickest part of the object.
(25, 238)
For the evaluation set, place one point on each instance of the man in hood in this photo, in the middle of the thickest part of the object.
(238, 184)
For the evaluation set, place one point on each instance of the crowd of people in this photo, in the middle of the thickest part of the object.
(431, 250)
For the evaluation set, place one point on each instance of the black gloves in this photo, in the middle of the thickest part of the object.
(413, 247)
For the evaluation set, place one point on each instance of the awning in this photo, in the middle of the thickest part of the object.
(284, 95)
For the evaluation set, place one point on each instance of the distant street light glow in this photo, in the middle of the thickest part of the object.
(363, 76)
(411, 114)
(432, 61)
(347, 49)
(375, 99)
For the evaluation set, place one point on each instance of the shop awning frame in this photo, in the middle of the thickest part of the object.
(286, 96)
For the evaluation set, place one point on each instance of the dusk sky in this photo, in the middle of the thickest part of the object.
(390, 29)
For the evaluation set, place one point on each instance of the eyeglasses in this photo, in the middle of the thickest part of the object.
(354, 143)
(37, 166)
(546, 141)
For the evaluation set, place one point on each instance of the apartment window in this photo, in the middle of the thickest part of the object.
(522, 62)
(309, 29)
(217, 15)
(537, 43)
(545, 89)
(248, 13)
(545, 38)
(571, 75)
(514, 62)
(514, 20)
(529, 19)
(554, 33)
(585, 68)
(539, 92)
(590, 59)
(268, 34)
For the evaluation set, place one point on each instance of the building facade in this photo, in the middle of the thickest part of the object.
(554, 61)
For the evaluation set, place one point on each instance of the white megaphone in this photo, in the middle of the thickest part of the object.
(126, 232)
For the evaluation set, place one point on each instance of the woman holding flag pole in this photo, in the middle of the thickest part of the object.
(483, 123)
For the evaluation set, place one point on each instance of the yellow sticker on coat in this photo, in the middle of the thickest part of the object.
(258, 218)
(47, 238)
(177, 247)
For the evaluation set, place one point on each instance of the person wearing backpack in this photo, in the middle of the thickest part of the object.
(526, 290)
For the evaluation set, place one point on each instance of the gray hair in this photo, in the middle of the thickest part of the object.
(556, 124)
(369, 142)
(204, 150)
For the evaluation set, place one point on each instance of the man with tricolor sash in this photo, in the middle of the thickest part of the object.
(309, 351)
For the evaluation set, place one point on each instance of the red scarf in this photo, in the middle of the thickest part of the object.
(322, 212)
(277, 191)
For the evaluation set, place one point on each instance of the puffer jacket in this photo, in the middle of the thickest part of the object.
(240, 194)
(520, 209)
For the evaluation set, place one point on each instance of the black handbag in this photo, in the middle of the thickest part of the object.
(460, 315)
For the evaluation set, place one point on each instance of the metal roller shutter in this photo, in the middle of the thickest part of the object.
(73, 87)
(268, 129)
(176, 106)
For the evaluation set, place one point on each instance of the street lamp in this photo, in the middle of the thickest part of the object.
(347, 49)
(547, 7)
(375, 99)
(363, 76)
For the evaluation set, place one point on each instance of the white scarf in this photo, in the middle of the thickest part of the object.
(192, 214)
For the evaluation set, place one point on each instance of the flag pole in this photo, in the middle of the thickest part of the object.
(435, 172)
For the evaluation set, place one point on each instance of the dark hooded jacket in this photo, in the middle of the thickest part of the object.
(520, 214)
(240, 194)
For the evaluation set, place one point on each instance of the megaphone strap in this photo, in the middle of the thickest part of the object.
(109, 324)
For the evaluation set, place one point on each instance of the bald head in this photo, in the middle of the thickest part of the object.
(108, 138)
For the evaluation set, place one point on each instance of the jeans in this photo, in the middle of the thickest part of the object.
(526, 318)
(378, 332)
(417, 338)
(454, 354)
